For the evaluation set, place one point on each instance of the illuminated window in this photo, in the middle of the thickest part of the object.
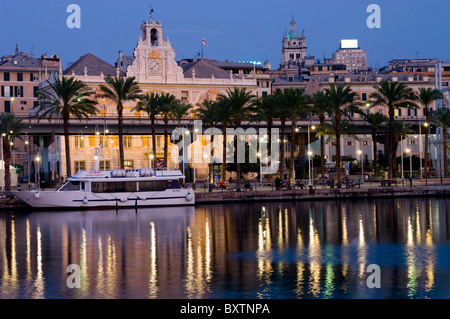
(80, 165)
(79, 142)
(128, 164)
(127, 141)
(105, 165)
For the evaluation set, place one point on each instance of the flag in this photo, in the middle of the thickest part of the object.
(204, 42)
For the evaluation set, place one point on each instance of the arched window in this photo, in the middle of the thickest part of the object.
(154, 37)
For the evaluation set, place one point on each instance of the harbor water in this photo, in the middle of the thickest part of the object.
(289, 250)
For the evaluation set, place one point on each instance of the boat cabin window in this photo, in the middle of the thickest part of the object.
(70, 186)
(113, 187)
(173, 184)
(152, 186)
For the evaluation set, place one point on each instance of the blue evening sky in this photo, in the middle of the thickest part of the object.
(235, 30)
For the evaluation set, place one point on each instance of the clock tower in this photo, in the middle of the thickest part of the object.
(154, 58)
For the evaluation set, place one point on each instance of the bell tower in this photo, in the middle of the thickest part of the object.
(293, 49)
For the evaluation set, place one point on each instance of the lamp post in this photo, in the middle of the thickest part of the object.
(309, 167)
(408, 151)
(27, 143)
(260, 168)
(427, 128)
(362, 165)
(38, 179)
(150, 160)
(401, 147)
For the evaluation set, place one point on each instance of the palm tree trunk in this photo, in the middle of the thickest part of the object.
(211, 165)
(238, 164)
(120, 127)
(391, 159)
(322, 149)
(444, 150)
(394, 156)
(291, 155)
(224, 153)
(374, 149)
(153, 141)
(166, 141)
(7, 160)
(282, 151)
(67, 145)
(338, 150)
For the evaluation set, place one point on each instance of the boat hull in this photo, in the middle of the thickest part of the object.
(85, 199)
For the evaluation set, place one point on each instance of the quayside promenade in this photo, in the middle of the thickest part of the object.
(267, 195)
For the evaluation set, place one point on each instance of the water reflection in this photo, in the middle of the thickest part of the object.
(288, 250)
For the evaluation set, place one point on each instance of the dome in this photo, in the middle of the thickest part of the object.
(293, 34)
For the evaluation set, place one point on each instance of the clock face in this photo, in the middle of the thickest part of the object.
(155, 66)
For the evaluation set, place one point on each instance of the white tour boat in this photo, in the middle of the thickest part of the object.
(114, 188)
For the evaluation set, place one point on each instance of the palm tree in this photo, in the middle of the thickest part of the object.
(238, 101)
(266, 111)
(166, 104)
(149, 104)
(321, 106)
(393, 95)
(10, 128)
(426, 96)
(282, 115)
(342, 100)
(442, 120)
(120, 90)
(208, 112)
(179, 111)
(63, 98)
(375, 120)
(298, 103)
(224, 117)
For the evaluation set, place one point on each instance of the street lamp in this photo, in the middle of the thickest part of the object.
(260, 168)
(150, 160)
(408, 151)
(309, 166)
(38, 179)
(362, 165)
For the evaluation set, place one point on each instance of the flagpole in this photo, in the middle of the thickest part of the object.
(202, 45)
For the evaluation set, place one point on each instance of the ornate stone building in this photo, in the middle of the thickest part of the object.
(156, 70)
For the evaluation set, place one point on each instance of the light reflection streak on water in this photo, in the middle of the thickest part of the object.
(10, 284)
(345, 257)
(111, 268)
(362, 250)
(315, 257)
(264, 255)
(39, 283)
(153, 271)
(300, 266)
(84, 276)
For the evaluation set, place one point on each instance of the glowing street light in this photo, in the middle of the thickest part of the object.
(362, 165)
